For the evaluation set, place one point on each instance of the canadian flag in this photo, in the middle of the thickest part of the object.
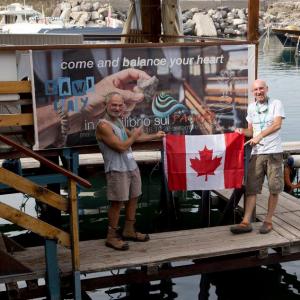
(204, 162)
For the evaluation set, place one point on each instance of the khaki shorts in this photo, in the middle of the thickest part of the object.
(122, 186)
(262, 165)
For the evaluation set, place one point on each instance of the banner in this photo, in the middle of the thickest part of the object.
(194, 90)
(204, 162)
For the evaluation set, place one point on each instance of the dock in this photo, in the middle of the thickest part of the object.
(185, 252)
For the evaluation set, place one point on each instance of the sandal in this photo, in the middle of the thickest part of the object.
(266, 227)
(241, 228)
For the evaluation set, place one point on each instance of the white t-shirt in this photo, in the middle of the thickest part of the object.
(261, 116)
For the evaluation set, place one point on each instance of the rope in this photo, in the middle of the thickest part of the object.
(266, 45)
(297, 48)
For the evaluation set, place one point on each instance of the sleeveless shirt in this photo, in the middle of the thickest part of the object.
(114, 160)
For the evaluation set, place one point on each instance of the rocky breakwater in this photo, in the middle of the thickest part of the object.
(221, 21)
(89, 14)
(283, 14)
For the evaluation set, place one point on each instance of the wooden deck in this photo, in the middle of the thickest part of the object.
(163, 247)
(188, 252)
(179, 245)
(286, 220)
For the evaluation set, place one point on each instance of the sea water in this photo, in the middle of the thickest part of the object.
(280, 69)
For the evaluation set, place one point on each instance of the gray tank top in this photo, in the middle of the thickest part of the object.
(113, 160)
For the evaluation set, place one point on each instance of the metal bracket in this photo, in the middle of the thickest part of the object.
(286, 250)
(152, 269)
(263, 253)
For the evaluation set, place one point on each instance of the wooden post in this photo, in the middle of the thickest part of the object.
(151, 19)
(75, 239)
(253, 34)
(53, 277)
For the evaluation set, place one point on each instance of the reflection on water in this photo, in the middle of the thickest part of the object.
(277, 282)
(273, 282)
(280, 69)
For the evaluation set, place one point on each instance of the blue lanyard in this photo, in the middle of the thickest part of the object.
(265, 113)
(123, 131)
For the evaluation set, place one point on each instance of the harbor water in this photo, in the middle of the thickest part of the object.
(281, 70)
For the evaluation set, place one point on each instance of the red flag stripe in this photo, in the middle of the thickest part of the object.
(234, 160)
(175, 152)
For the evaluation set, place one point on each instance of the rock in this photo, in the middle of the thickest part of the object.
(75, 16)
(94, 16)
(96, 6)
(65, 15)
(225, 8)
(86, 6)
(56, 12)
(204, 25)
(194, 10)
(228, 31)
(65, 5)
(187, 15)
(217, 16)
(241, 14)
(103, 11)
(84, 18)
(74, 3)
(76, 8)
(188, 27)
(236, 22)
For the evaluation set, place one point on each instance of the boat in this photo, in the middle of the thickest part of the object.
(19, 18)
(288, 36)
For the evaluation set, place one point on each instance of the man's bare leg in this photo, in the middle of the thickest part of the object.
(272, 203)
(250, 205)
(245, 225)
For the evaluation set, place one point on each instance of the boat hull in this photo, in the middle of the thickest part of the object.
(288, 38)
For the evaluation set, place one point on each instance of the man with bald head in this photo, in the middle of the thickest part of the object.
(264, 118)
(121, 170)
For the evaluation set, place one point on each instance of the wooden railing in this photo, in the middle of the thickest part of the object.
(42, 194)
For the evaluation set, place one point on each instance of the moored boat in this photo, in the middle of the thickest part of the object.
(288, 36)
(19, 18)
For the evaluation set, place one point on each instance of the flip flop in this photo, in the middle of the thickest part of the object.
(266, 227)
(241, 228)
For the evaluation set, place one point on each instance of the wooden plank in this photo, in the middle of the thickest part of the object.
(15, 87)
(16, 120)
(162, 247)
(27, 187)
(285, 229)
(74, 225)
(37, 226)
(17, 102)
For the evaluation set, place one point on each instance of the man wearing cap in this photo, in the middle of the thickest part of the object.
(264, 118)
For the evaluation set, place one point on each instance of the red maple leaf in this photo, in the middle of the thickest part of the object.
(206, 165)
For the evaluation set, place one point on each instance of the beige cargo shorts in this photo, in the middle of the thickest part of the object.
(122, 186)
(262, 165)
